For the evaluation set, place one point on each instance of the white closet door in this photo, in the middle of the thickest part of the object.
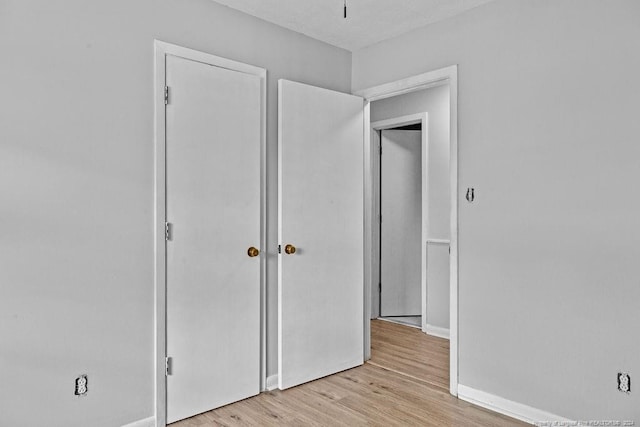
(401, 229)
(213, 205)
(320, 286)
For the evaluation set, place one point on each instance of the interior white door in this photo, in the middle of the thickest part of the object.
(320, 286)
(401, 227)
(213, 205)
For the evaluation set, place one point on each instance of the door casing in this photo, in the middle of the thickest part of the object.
(162, 49)
(449, 76)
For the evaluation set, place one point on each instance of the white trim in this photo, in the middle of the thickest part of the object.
(159, 279)
(369, 211)
(439, 241)
(147, 422)
(437, 331)
(272, 382)
(453, 234)
(422, 81)
(507, 407)
(423, 119)
(395, 122)
(207, 58)
(162, 49)
(448, 75)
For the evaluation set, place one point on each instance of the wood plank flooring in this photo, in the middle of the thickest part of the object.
(415, 321)
(404, 384)
(410, 352)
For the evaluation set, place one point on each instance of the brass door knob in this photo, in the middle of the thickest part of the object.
(290, 249)
(253, 252)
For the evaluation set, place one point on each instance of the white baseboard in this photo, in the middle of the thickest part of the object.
(147, 422)
(507, 407)
(272, 382)
(437, 331)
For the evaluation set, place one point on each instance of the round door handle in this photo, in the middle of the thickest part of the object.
(252, 252)
(289, 249)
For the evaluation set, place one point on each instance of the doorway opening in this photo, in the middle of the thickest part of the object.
(403, 221)
(413, 205)
(392, 107)
(400, 188)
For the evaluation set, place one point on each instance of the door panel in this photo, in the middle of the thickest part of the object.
(401, 229)
(320, 286)
(213, 204)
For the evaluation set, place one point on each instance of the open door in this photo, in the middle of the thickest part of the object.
(402, 219)
(320, 197)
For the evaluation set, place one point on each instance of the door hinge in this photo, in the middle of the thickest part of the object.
(167, 231)
(279, 249)
(166, 95)
(167, 366)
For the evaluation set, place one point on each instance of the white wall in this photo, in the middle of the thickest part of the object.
(434, 101)
(549, 96)
(76, 191)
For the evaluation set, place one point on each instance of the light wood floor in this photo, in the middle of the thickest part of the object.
(415, 321)
(404, 384)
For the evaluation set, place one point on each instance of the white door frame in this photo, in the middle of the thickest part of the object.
(448, 75)
(163, 49)
(423, 119)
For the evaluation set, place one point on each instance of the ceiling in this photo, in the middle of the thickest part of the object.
(367, 22)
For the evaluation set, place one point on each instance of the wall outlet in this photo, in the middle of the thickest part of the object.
(624, 382)
(82, 385)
